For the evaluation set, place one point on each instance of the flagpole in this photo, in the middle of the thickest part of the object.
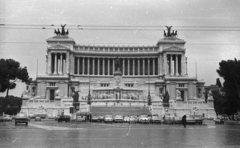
(196, 68)
(37, 69)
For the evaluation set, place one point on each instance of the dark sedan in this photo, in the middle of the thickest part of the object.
(65, 118)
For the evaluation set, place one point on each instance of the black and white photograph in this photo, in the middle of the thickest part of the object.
(119, 74)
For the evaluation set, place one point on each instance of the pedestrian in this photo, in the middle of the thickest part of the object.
(90, 117)
(184, 120)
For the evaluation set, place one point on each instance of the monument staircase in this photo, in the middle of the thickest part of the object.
(115, 110)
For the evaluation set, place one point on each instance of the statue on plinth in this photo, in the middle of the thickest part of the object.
(210, 95)
(75, 96)
(178, 95)
(118, 64)
(26, 92)
(57, 92)
(63, 29)
(166, 98)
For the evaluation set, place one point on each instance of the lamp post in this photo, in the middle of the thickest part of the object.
(149, 96)
(89, 95)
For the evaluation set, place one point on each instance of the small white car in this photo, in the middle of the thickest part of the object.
(144, 119)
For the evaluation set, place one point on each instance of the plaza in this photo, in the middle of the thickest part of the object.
(49, 133)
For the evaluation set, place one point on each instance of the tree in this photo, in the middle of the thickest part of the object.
(218, 82)
(230, 72)
(219, 102)
(10, 72)
(10, 105)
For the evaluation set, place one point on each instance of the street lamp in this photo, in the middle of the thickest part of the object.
(89, 95)
(149, 96)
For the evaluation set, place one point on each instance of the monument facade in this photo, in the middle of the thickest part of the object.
(116, 76)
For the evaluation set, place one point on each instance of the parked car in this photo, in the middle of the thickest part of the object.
(126, 119)
(144, 119)
(155, 119)
(219, 120)
(7, 118)
(190, 120)
(95, 119)
(80, 118)
(65, 118)
(37, 119)
(198, 119)
(119, 119)
(168, 120)
(21, 118)
(108, 118)
(132, 119)
(32, 116)
(101, 118)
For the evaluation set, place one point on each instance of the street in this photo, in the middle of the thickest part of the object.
(100, 135)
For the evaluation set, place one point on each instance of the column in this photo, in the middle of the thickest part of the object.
(173, 66)
(138, 66)
(183, 65)
(103, 66)
(50, 63)
(67, 63)
(55, 63)
(93, 70)
(88, 66)
(123, 66)
(149, 66)
(161, 65)
(153, 66)
(79, 63)
(61, 63)
(177, 65)
(114, 65)
(64, 66)
(77, 69)
(98, 66)
(143, 66)
(133, 66)
(108, 66)
(166, 65)
(128, 66)
(83, 68)
(170, 65)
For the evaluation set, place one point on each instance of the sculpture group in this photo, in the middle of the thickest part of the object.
(170, 33)
(63, 32)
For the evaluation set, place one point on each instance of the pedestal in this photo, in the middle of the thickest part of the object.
(210, 102)
(25, 100)
(57, 101)
(179, 103)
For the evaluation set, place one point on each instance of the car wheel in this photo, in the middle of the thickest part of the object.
(26, 123)
(15, 123)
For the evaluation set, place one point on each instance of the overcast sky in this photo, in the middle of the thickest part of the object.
(195, 20)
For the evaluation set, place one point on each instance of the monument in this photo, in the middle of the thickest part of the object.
(120, 76)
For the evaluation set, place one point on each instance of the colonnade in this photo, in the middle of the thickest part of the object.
(106, 66)
(175, 64)
(57, 63)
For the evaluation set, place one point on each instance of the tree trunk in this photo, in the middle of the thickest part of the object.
(7, 92)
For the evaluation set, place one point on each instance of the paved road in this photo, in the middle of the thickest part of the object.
(51, 134)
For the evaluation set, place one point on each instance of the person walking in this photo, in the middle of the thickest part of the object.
(184, 120)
